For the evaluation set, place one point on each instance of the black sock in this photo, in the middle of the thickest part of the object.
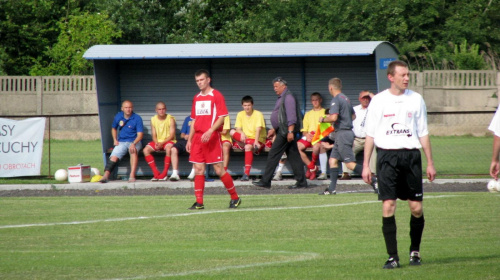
(334, 174)
(416, 230)
(358, 169)
(389, 230)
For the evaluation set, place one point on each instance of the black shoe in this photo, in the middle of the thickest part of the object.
(234, 203)
(244, 178)
(415, 258)
(297, 186)
(196, 206)
(327, 192)
(261, 184)
(391, 263)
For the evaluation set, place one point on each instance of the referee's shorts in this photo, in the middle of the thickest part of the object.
(399, 174)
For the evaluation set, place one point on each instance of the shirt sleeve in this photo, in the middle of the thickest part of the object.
(495, 123)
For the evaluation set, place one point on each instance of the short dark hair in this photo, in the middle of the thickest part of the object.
(279, 79)
(317, 94)
(247, 98)
(391, 68)
(201, 72)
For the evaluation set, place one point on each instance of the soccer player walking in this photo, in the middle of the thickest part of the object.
(396, 124)
(204, 143)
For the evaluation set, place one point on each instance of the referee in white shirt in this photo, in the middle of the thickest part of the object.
(397, 125)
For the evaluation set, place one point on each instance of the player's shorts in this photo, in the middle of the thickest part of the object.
(399, 174)
(209, 152)
(249, 141)
(180, 145)
(153, 145)
(306, 143)
(122, 149)
(342, 150)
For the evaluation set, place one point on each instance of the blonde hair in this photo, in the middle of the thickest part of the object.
(335, 83)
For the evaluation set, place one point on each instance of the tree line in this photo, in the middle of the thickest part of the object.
(49, 37)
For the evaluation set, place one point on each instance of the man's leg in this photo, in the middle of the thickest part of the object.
(226, 152)
(150, 160)
(134, 159)
(297, 164)
(417, 224)
(389, 230)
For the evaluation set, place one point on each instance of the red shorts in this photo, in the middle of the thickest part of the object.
(152, 145)
(249, 141)
(209, 152)
(306, 143)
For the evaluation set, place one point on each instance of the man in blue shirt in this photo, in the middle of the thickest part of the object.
(127, 131)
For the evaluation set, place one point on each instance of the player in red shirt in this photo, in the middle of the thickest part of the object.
(204, 143)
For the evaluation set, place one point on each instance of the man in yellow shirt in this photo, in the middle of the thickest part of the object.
(249, 133)
(310, 124)
(163, 134)
(227, 142)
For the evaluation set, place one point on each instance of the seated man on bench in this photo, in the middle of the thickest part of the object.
(127, 140)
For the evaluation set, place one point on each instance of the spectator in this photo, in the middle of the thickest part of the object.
(308, 130)
(163, 134)
(286, 122)
(227, 142)
(204, 142)
(397, 125)
(249, 132)
(126, 140)
(359, 132)
(180, 146)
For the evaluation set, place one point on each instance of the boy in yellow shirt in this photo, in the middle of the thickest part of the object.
(249, 133)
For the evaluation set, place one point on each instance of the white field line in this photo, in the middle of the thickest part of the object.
(302, 256)
(201, 212)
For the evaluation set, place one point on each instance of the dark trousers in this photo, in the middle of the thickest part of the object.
(281, 145)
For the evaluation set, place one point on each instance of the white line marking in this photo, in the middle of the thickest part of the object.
(201, 212)
(302, 256)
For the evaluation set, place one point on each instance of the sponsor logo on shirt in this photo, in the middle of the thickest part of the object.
(389, 115)
(203, 108)
(399, 130)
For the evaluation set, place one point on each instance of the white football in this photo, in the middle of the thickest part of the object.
(61, 175)
(493, 186)
(94, 171)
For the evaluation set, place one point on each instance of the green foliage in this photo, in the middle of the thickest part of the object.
(77, 35)
(465, 57)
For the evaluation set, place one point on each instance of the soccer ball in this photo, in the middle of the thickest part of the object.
(61, 175)
(94, 171)
(493, 186)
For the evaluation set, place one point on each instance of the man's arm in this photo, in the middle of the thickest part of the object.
(367, 173)
(114, 134)
(206, 136)
(495, 166)
(425, 141)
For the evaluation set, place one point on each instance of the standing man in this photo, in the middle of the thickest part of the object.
(250, 133)
(341, 115)
(286, 123)
(359, 132)
(163, 134)
(495, 128)
(204, 142)
(310, 126)
(126, 140)
(397, 125)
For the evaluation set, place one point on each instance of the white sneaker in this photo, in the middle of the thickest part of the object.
(191, 175)
(174, 177)
(277, 177)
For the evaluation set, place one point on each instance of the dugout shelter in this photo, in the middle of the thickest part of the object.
(146, 74)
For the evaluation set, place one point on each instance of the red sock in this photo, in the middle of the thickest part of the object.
(248, 161)
(314, 159)
(199, 187)
(150, 159)
(227, 180)
(237, 136)
(166, 166)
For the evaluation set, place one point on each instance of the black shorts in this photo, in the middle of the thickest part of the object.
(180, 145)
(399, 174)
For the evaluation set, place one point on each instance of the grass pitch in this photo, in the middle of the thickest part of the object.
(269, 237)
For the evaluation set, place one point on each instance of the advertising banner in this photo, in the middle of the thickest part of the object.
(21, 146)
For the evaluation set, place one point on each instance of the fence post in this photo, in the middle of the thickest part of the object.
(39, 95)
(420, 83)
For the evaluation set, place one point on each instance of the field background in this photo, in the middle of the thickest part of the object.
(270, 237)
